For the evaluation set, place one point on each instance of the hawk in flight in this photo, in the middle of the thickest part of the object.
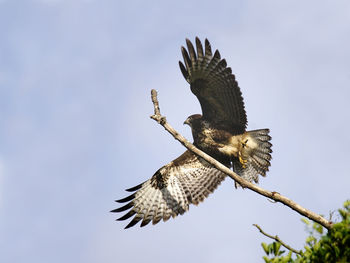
(220, 132)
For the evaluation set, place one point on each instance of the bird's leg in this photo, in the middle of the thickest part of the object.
(241, 160)
(240, 155)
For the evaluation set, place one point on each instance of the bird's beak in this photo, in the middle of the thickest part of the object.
(186, 122)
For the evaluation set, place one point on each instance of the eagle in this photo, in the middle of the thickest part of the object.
(220, 132)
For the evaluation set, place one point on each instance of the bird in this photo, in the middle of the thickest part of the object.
(220, 131)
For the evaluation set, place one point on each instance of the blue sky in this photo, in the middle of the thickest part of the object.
(75, 81)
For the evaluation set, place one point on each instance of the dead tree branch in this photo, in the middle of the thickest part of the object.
(277, 239)
(269, 194)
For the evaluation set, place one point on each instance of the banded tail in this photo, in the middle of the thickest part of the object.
(255, 155)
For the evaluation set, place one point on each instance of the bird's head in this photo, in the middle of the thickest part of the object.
(189, 121)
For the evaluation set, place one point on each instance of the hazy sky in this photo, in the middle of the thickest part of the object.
(75, 81)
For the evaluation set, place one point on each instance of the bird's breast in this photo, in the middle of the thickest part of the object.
(219, 141)
(232, 146)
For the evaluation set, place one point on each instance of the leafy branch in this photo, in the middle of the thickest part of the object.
(333, 246)
(277, 239)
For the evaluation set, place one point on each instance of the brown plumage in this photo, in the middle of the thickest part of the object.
(215, 87)
(220, 132)
(186, 180)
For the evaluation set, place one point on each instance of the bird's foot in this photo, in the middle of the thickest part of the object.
(242, 161)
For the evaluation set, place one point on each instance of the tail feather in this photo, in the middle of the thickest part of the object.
(257, 152)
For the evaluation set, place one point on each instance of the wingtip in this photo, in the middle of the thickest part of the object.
(133, 222)
(183, 70)
(126, 216)
(135, 188)
(186, 57)
(217, 54)
(145, 222)
(126, 199)
(223, 63)
(123, 208)
(198, 42)
(128, 226)
(207, 45)
(191, 49)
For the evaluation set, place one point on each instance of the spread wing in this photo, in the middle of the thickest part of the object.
(186, 180)
(214, 85)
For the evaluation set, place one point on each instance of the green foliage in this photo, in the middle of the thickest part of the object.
(274, 249)
(333, 246)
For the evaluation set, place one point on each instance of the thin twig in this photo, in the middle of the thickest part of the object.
(278, 240)
(269, 194)
(155, 102)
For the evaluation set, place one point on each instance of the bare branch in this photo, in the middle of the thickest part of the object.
(155, 102)
(269, 194)
(278, 240)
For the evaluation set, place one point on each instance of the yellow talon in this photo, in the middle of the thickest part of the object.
(242, 161)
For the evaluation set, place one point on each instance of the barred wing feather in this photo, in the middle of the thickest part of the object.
(214, 85)
(186, 180)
